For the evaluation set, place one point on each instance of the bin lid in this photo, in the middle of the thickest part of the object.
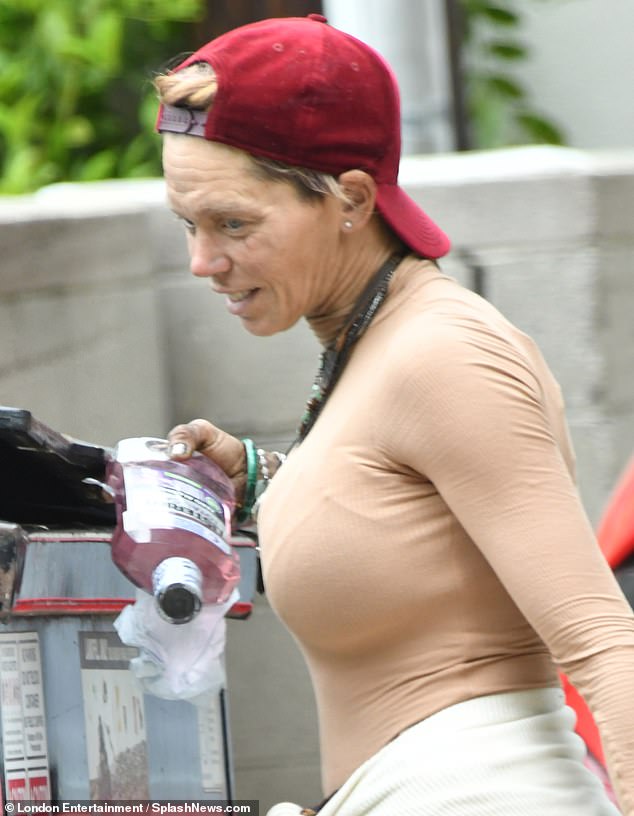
(42, 474)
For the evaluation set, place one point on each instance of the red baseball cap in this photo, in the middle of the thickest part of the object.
(299, 91)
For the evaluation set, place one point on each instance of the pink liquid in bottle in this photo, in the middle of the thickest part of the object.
(173, 525)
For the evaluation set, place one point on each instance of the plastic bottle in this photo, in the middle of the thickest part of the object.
(173, 524)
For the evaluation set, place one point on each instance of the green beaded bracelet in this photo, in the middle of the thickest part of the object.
(244, 513)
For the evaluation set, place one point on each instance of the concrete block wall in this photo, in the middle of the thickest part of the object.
(104, 334)
(80, 342)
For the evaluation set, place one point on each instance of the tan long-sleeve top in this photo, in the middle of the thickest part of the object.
(426, 543)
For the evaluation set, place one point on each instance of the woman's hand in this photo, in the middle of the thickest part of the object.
(225, 450)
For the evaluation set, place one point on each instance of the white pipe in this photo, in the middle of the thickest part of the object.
(411, 35)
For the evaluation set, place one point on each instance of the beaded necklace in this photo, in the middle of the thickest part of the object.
(335, 356)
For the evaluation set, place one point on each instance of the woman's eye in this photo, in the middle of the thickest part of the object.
(189, 225)
(233, 224)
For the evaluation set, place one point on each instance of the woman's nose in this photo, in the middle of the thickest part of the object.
(207, 258)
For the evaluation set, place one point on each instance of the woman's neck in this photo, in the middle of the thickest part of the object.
(349, 281)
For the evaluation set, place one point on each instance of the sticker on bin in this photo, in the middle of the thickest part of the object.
(116, 741)
(26, 767)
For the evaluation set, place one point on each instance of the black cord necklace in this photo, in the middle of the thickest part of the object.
(334, 358)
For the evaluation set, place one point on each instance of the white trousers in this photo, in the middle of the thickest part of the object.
(511, 754)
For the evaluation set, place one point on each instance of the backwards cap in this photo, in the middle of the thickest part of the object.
(299, 91)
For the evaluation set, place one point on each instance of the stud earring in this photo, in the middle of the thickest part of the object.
(347, 224)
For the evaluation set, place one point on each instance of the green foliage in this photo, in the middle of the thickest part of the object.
(76, 102)
(499, 107)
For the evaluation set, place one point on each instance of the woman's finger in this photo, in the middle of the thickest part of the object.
(183, 441)
(200, 435)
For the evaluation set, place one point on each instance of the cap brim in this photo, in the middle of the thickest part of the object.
(410, 223)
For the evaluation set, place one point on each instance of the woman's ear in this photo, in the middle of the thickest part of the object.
(359, 189)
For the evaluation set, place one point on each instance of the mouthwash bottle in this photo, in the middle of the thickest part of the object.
(173, 526)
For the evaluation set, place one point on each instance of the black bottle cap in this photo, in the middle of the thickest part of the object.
(178, 604)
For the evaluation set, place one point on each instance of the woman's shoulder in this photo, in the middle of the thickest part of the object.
(451, 331)
(444, 310)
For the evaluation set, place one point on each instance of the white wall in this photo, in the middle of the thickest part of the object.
(582, 68)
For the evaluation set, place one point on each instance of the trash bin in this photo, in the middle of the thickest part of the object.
(75, 723)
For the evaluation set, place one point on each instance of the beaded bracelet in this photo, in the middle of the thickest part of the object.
(263, 472)
(263, 465)
(281, 458)
(244, 512)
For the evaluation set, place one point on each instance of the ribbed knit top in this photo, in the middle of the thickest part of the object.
(426, 543)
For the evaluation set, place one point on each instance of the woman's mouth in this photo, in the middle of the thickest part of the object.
(236, 297)
(238, 302)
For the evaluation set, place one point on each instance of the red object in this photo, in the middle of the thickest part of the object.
(586, 726)
(69, 606)
(615, 534)
(299, 91)
(39, 789)
(98, 606)
(17, 789)
(616, 529)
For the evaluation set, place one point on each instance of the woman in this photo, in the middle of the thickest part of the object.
(418, 540)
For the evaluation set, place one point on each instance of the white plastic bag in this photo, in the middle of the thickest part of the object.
(175, 662)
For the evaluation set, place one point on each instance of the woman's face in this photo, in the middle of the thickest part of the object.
(270, 253)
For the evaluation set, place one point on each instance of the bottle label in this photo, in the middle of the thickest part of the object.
(158, 498)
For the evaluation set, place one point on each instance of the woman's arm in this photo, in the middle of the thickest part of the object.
(475, 420)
